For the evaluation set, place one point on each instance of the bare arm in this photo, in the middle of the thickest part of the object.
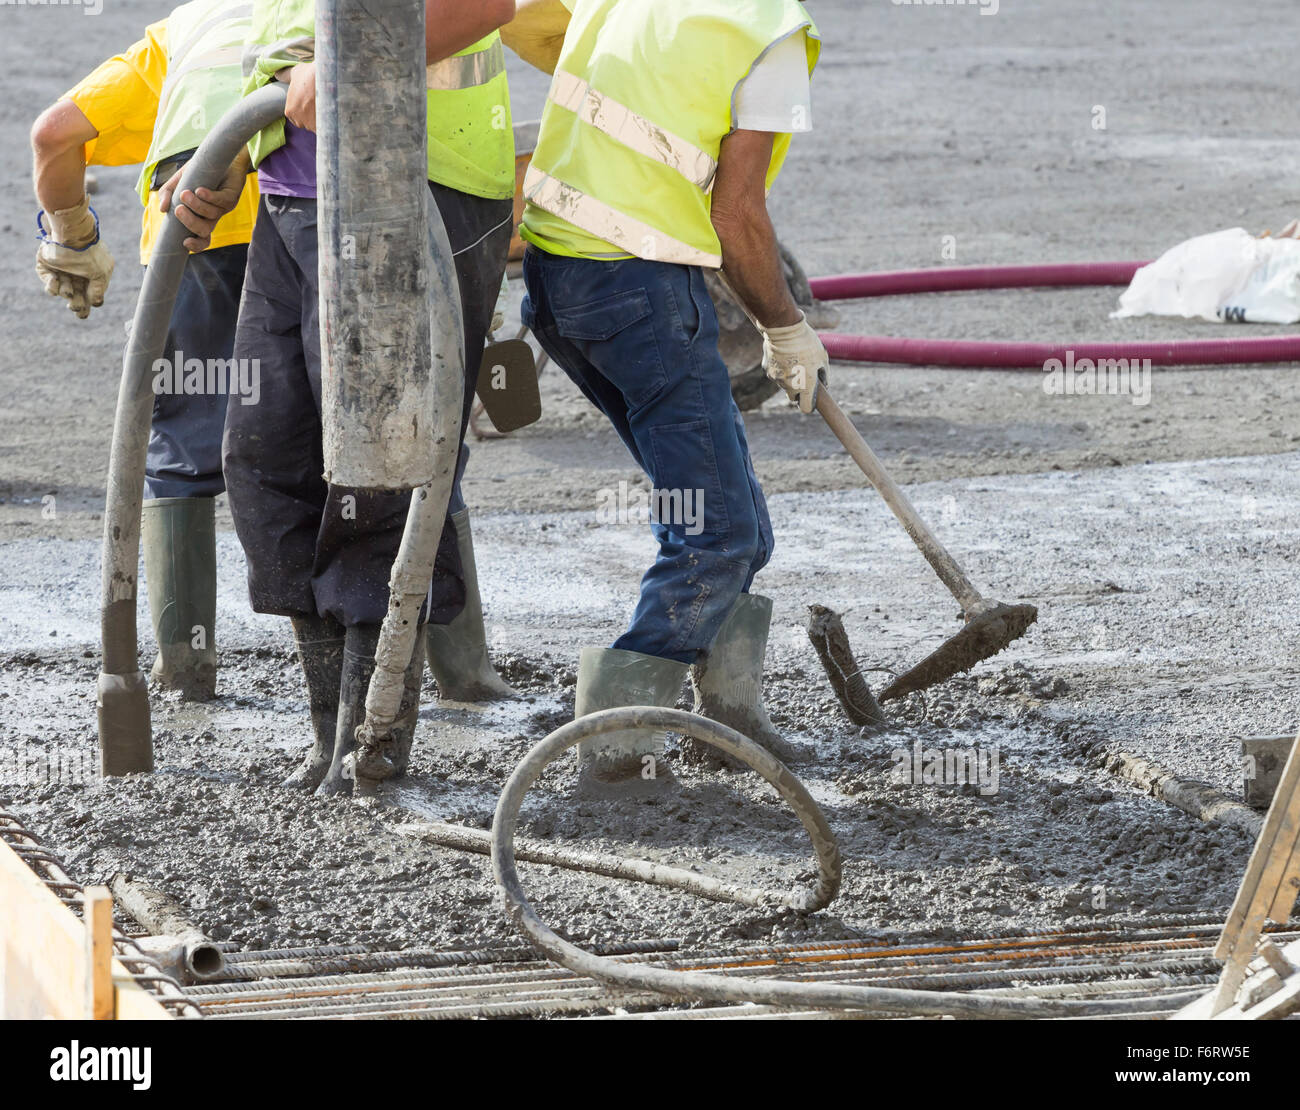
(751, 262)
(452, 25)
(536, 33)
(59, 136)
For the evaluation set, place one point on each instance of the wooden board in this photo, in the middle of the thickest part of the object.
(43, 955)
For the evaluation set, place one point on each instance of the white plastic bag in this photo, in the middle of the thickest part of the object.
(1227, 275)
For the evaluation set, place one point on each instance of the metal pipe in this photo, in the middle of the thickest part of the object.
(122, 697)
(704, 986)
(597, 863)
(176, 938)
(1197, 798)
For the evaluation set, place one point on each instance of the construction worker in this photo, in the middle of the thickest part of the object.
(321, 554)
(666, 123)
(152, 105)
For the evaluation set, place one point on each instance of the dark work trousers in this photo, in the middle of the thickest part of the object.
(313, 548)
(640, 339)
(184, 457)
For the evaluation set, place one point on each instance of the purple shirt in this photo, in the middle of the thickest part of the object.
(290, 170)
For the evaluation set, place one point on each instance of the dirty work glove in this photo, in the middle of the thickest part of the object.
(499, 312)
(794, 357)
(71, 261)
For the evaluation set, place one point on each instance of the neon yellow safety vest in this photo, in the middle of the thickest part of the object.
(471, 142)
(643, 95)
(205, 40)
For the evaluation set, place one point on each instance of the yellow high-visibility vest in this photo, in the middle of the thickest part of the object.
(642, 97)
(205, 40)
(471, 144)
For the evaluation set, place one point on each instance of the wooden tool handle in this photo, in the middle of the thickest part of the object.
(935, 554)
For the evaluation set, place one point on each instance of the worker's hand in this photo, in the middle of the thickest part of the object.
(71, 261)
(201, 209)
(794, 357)
(300, 103)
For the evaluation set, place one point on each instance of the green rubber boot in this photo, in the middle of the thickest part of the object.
(629, 763)
(728, 684)
(320, 651)
(178, 536)
(457, 651)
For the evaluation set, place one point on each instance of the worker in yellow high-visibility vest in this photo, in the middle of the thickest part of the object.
(152, 105)
(666, 123)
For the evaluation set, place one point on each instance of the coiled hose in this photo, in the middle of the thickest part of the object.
(705, 987)
(996, 354)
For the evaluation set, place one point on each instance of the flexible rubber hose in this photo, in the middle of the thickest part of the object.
(975, 354)
(126, 743)
(951, 279)
(705, 987)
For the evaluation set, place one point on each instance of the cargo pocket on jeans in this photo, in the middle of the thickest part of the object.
(617, 335)
(684, 456)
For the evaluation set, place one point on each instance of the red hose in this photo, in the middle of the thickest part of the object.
(1023, 356)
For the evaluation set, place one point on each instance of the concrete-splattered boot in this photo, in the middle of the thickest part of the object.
(629, 763)
(320, 651)
(178, 537)
(359, 646)
(728, 683)
(457, 651)
(389, 759)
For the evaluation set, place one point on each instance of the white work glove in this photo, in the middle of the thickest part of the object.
(71, 261)
(794, 357)
(499, 312)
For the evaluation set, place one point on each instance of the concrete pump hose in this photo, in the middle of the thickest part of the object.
(706, 987)
(125, 740)
(998, 355)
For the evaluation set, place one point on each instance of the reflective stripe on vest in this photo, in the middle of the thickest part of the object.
(226, 55)
(635, 132)
(632, 235)
(301, 49)
(466, 71)
(460, 71)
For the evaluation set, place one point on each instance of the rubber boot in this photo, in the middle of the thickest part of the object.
(389, 759)
(359, 646)
(457, 651)
(630, 763)
(320, 651)
(728, 684)
(179, 539)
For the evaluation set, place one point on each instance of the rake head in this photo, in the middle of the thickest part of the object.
(982, 637)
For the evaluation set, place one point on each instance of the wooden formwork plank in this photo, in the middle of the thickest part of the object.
(44, 955)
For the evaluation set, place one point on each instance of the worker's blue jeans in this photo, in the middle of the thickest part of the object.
(184, 457)
(640, 339)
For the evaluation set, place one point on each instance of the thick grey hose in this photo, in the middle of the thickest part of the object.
(125, 738)
(413, 566)
(704, 987)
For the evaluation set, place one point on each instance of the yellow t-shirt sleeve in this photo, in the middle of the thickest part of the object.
(120, 99)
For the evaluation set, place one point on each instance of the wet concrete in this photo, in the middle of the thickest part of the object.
(1150, 638)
